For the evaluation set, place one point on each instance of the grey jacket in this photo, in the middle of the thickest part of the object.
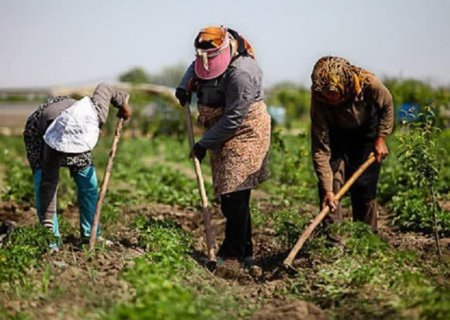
(40, 119)
(104, 94)
(238, 88)
(43, 157)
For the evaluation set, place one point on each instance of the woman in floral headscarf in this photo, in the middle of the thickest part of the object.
(228, 83)
(351, 115)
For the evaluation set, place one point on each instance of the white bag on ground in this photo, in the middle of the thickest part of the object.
(76, 129)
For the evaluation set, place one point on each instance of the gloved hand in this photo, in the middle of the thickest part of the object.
(182, 96)
(198, 151)
(125, 110)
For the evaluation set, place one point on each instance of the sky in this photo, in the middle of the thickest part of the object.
(61, 42)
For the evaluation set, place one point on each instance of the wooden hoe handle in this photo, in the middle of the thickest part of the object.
(104, 187)
(201, 185)
(317, 220)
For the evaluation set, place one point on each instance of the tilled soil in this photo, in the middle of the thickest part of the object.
(82, 283)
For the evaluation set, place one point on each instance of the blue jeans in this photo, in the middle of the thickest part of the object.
(87, 194)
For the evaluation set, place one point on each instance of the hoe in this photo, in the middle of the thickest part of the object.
(101, 197)
(288, 261)
(212, 263)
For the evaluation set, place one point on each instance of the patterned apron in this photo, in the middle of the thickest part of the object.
(241, 162)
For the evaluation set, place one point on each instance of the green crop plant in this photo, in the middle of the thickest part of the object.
(111, 212)
(46, 278)
(259, 219)
(292, 175)
(18, 178)
(289, 224)
(158, 183)
(19, 182)
(5, 315)
(420, 155)
(161, 278)
(23, 251)
(369, 280)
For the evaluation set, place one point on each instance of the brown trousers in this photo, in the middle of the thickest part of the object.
(364, 204)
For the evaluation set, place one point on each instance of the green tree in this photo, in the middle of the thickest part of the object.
(136, 75)
(167, 76)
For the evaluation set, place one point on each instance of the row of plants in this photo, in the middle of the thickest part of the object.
(22, 253)
(293, 179)
(157, 182)
(370, 275)
(169, 284)
(367, 279)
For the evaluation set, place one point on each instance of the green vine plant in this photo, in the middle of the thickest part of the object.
(419, 153)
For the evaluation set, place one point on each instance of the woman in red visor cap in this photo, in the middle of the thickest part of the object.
(228, 84)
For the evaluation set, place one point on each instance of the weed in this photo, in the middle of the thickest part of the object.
(46, 279)
(259, 219)
(23, 251)
(289, 224)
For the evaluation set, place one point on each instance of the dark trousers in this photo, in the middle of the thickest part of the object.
(364, 190)
(238, 230)
(49, 182)
(47, 186)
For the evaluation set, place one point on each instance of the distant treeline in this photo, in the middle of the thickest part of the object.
(21, 98)
(294, 98)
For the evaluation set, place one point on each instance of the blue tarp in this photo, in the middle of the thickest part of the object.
(278, 114)
(407, 111)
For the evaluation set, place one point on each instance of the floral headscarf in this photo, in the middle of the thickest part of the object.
(337, 74)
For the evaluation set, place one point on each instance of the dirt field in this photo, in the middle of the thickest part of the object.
(95, 281)
(392, 275)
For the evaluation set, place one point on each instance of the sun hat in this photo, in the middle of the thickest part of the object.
(212, 60)
(76, 129)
